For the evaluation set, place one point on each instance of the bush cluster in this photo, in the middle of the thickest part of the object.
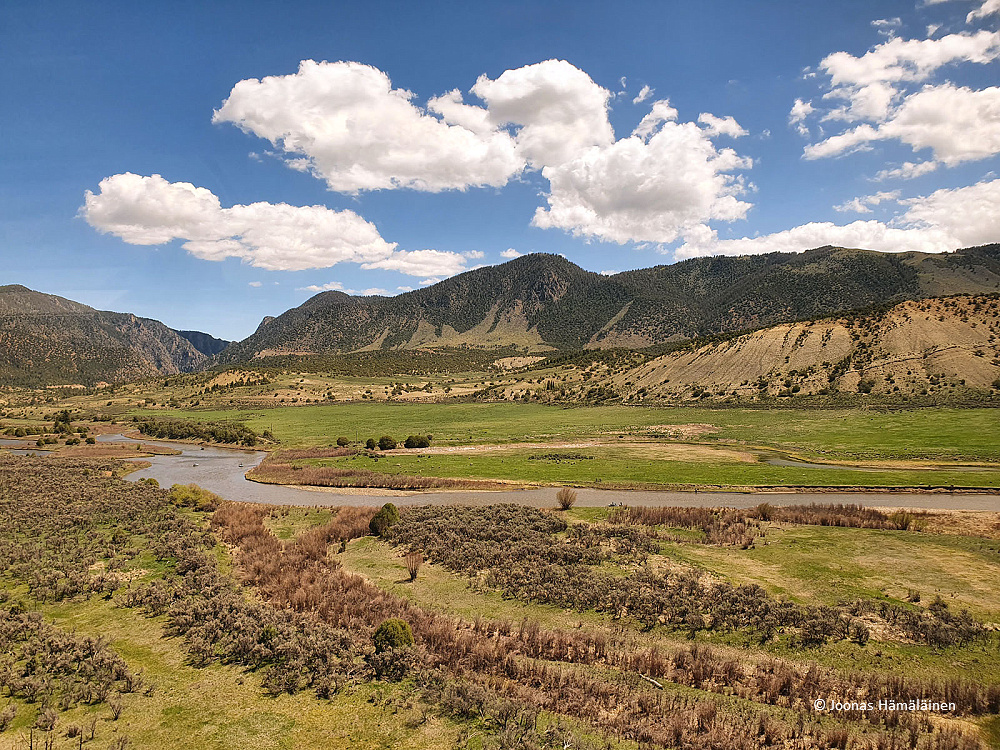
(386, 517)
(182, 429)
(519, 551)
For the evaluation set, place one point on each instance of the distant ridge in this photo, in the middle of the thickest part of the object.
(49, 340)
(544, 302)
(204, 343)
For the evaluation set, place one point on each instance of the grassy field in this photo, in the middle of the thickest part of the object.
(825, 564)
(925, 434)
(617, 446)
(809, 564)
(223, 708)
(626, 466)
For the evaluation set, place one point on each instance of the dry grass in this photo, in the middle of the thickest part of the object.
(274, 472)
(974, 523)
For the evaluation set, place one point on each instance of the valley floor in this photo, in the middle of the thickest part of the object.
(240, 626)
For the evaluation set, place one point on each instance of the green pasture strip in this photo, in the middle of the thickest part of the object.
(844, 434)
(616, 466)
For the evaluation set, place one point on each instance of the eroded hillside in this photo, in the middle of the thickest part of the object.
(926, 348)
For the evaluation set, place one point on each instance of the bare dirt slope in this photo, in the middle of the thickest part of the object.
(915, 348)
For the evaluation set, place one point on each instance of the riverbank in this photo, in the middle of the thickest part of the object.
(223, 471)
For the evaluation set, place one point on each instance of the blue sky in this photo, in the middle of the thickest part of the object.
(621, 135)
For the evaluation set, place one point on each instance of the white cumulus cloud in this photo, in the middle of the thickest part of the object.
(798, 114)
(721, 125)
(644, 93)
(944, 220)
(330, 286)
(887, 94)
(887, 26)
(346, 123)
(907, 170)
(275, 236)
(971, 214)
(863, 204)
(988, 8)
(558, 109)
(437, 263)
(510, 253)
(650, 187)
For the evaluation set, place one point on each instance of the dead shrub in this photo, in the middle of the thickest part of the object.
(566, 498)
(413, 562)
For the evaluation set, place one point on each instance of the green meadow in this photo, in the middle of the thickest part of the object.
(618, 466)
(933, 434)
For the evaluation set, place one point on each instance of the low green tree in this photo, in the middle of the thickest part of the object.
(384, 518)
(370, 444)
(386, 443)
(392, 634)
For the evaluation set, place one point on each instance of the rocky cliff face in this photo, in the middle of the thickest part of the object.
(49, 340)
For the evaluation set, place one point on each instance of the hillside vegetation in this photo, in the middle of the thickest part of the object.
(924, 351)
(132, 616)
(48, 340)
(544, 302)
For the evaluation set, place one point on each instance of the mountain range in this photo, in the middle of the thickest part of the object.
(545, 302)
(538, 302)
(50, 340)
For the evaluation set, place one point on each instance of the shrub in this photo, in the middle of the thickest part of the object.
(370, 444)
(20, 432)
(387, 516)
(413, 562)
(392, 634)
(859, 632)
(392, 664)
(566, 498)
(901, 520)
(7, 716)
(386, 443)
(193, 496)
(179, 429)
(47, 719)
(91, 441)
(417, 441)
(343, 442)
(116, 707)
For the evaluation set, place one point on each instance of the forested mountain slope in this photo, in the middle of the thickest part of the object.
(545, 302)
(49, 340)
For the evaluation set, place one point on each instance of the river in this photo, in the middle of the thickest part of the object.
(221, 470)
